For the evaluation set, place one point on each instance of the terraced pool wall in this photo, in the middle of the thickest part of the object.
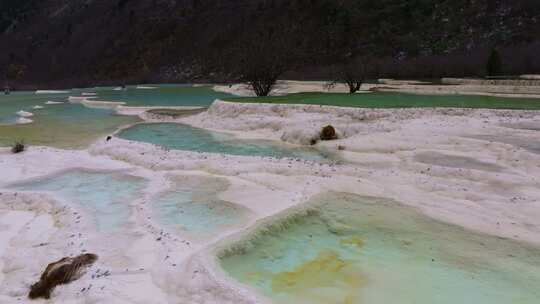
(271, 225)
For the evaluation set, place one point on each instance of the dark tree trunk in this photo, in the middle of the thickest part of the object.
(352, 74)
(262, 87)
(263, 58)
(354, 86)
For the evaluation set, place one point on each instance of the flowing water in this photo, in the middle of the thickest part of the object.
(106, 196)
(350, 249)
(184, 137)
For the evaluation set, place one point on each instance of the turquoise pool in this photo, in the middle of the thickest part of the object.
(163, 95)
(184, 137)
(351, 249)
(106, 196)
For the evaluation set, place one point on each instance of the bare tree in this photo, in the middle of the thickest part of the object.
(262, 77)
(351, 73)
(263, 60)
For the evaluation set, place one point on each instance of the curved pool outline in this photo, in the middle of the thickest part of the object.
(140, 194)
(227, 246)
(320, 154)
(196, 181)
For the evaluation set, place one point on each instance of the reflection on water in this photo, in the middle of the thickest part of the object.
(183, 137)
(351, 249)
(106, 196)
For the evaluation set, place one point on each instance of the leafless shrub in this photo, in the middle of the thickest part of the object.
(18, 147)
(263, 59)
(351, 73)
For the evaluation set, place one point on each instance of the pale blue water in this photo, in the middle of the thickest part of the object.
(106, 196)
(362, 250)
(178, 209)
(184, 137)
(194, 208)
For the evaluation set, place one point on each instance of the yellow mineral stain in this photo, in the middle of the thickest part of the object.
(352, 241)
(325, 279)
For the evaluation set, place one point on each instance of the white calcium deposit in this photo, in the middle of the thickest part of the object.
(437, 160)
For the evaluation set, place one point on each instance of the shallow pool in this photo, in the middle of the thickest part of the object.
(184, 137)
(106, 196)
(61, 125)
(193, 207)
(350, 249)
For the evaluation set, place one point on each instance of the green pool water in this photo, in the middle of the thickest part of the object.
(60, 125)
(350, 249)
(25, 101)
(75, 126)
(397, 100)
(105, 196)
(184, 137)
(163, 95)
(193, 207)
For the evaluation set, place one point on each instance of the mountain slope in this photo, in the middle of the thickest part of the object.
(81, 42)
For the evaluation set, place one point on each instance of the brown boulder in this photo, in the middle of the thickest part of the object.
(328, 133)
(64, 271)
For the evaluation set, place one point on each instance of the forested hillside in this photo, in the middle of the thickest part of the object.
(83, 42)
